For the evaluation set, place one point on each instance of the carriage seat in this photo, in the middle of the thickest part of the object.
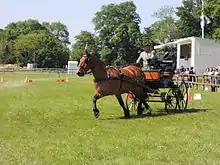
(152, 74)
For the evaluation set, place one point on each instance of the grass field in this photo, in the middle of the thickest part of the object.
(50, 123)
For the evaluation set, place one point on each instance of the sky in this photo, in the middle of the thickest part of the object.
(75, 14)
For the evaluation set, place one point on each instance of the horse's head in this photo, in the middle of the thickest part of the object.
(84, 63)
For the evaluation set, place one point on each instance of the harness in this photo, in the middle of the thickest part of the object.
(123, 78)
(120, 78)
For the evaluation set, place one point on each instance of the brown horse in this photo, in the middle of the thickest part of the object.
(113, 81)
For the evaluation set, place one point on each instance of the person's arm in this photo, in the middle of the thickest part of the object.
(152, 54)
(139, 58)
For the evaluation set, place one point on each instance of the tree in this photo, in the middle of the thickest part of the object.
(117, 26)
(6, 54)
(14, 29)
(212, 11)
(164, 30)
(29, 40)
(164, 12)
(147, 35)
(189, 18)
(59, 30)
(83, 39)
(41, 48)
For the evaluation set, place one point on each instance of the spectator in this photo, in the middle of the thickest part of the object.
(216, 73)
(209, 74)
(182, 69)
(187, 71)
(177, 71)
(192, 78)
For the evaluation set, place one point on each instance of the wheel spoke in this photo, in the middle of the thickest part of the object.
(182, 92)
(170, 100)
(131, 103)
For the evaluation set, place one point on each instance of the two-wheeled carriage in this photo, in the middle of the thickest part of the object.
(164, 89)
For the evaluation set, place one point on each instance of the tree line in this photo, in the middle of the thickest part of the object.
(117, 38)
(29, 41)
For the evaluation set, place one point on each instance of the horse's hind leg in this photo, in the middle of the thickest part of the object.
(147, 107)
(121, 102)
(95, 109)
(140, 108)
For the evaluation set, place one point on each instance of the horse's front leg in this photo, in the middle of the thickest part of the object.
(95, 109)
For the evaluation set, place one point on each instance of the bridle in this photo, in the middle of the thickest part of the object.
(81, 67)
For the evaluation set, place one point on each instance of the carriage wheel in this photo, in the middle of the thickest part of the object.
(182, 95)
(171, 100)
(131, 102)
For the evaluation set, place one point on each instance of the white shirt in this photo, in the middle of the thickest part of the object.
(145, 56)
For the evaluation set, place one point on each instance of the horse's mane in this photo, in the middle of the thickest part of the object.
(97, 59)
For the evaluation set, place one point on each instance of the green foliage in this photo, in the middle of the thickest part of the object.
(164, 31)
(6, 53)
(189, 19)
(59, 30)
(14, 29)
(41, 48)
(164, 12)
(29, 41)
(119, 34)
(212, 10)
(83, 39)
(216, 35)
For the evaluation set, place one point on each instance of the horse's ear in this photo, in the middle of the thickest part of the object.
(84, 51)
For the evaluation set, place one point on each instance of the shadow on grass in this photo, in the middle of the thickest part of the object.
(160, 113)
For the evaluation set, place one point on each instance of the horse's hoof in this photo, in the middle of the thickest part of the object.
(96, 113)
(140, 111)
(149, 114)
(127, 117)
(149, 111)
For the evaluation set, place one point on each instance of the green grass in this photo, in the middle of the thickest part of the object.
(48, 123)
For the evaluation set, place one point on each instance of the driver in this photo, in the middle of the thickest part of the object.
(145, 55)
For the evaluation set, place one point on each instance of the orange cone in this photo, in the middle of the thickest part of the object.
(188, 94)
(28, 80)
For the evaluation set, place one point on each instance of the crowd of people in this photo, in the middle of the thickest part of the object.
(183, 70)
(212, 73)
